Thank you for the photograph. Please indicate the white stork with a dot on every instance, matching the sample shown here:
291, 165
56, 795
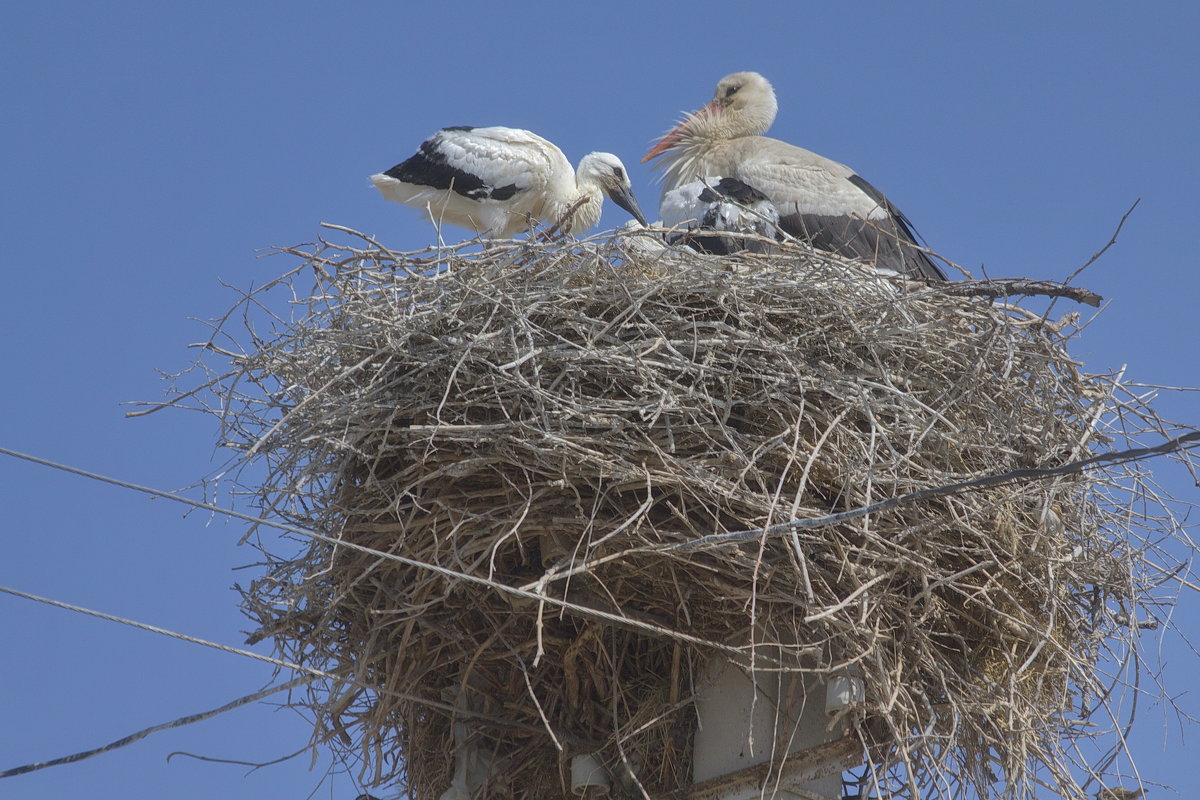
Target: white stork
710, 208
499, 181
820, 201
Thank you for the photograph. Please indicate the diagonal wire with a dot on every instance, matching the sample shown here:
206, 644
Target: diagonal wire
595, 613
142, 734
309, 674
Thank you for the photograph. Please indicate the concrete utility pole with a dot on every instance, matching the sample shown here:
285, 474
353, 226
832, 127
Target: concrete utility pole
767, 733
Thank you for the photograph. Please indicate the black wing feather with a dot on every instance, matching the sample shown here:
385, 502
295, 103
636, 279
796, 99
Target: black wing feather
429, 167
912, 260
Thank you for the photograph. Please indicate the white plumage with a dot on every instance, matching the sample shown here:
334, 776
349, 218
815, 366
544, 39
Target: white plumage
500, 181
818, 200
707, 210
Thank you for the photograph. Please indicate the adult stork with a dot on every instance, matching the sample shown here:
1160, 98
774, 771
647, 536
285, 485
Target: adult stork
499, 181
819, 200
712, 208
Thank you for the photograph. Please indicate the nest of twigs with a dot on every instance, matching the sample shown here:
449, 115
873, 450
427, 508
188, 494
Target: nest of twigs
554, 479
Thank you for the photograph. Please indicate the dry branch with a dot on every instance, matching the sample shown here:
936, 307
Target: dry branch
999, 287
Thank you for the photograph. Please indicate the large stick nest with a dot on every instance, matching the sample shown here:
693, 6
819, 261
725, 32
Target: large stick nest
518, 451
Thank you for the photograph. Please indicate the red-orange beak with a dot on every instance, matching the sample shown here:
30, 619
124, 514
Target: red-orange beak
664, 144
675, 134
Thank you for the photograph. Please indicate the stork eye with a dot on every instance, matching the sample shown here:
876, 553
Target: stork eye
620, 173
732, 90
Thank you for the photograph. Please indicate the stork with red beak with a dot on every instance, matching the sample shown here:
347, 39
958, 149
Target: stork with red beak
819, 201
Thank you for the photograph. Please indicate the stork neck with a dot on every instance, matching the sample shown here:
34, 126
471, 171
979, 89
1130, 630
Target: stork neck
722, 121
690, 159
590, 200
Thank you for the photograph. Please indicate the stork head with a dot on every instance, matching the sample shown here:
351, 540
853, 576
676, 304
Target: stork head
743, 105
606, 172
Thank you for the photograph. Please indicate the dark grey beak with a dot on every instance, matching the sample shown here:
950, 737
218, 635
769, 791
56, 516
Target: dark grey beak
623, 196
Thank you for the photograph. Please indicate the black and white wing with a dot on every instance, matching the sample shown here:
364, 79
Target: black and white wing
479, 163
829, 206
492, 179
710, 209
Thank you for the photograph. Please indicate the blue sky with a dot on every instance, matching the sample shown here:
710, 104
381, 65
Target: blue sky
149, 150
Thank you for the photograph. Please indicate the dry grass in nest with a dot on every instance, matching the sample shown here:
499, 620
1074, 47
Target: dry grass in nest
520, 452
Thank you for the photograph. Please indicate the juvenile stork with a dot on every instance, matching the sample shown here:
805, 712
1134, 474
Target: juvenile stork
499, 181
712, 208
820, 201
